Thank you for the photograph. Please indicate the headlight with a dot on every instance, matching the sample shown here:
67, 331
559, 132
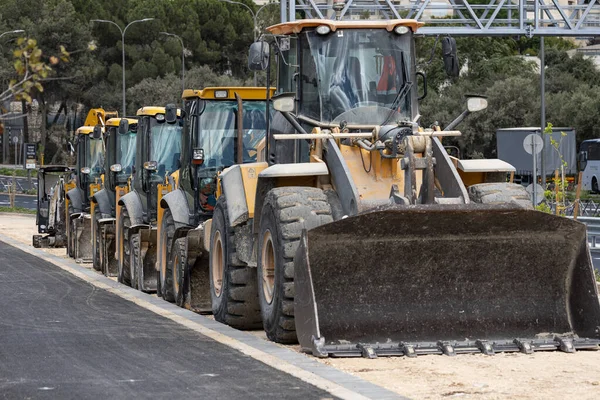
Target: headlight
401, 29
150, 165
85, 170
221, 94
116, 168
323, 29
198, 156
160, 117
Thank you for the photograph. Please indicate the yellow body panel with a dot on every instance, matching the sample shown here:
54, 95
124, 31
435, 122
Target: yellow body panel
250, 179
288, 28
152, 111
117, 121
246, 93
97, 116
84, 130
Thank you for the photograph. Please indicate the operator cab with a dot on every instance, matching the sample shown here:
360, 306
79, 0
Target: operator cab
90, 158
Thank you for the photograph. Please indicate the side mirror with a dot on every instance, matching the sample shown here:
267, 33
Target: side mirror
171, 113
284, 102
476, 103
422, 75
582, 160
258, 56
97, 133
123, 126
450, 56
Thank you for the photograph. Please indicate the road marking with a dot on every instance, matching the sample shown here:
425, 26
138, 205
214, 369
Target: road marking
195, 321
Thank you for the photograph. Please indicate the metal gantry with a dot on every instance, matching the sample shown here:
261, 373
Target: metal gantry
578, 18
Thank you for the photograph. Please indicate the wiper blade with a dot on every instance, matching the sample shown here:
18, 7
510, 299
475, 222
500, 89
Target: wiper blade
404, 90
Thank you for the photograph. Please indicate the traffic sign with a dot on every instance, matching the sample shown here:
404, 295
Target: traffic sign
533, 142
539, 192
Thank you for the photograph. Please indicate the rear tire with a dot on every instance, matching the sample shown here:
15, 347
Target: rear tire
70, 234
285, 214
595, 185
97, 242
124, 273
233, 285
500, 193
37, 241
165, 273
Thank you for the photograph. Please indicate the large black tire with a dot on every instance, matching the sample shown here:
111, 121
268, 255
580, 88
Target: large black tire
165, 273
70, 234
178, 261
595, 185
286, 212
233, 285
124, 273
135, 259
97, 242
500, 193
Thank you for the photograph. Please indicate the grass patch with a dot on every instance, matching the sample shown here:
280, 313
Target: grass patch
17, 172
21, 210
597, 274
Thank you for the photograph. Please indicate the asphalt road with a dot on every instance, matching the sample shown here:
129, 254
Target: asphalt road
25, 201
64, 338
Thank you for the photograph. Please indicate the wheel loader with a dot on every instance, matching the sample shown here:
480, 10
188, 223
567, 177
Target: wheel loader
368, 238
224, 126
50, 215
157, 153
120, 140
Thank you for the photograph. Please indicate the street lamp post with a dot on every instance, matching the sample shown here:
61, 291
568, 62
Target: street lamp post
123, 48
182, 58
254, 18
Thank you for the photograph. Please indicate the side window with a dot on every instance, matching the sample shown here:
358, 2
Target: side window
309, 84
285, 80
594, 151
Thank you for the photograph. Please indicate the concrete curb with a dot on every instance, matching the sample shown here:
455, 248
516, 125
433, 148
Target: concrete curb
336, 382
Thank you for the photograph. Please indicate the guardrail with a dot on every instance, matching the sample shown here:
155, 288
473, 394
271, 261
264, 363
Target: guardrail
593, 232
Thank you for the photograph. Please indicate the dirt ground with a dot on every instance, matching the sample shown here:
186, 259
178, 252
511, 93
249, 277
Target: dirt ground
503, 376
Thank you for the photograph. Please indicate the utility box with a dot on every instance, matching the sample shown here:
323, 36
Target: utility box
509, 144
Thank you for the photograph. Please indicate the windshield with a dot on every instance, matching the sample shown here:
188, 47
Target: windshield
126, 152
95, 159
165, 146
354, 75
217, 131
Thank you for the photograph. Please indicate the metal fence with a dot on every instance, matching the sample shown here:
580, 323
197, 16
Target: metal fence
587, 208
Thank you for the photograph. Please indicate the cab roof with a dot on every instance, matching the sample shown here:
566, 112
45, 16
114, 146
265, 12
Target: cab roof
117, 121
84, 130
297, 26
152, 111
246, 93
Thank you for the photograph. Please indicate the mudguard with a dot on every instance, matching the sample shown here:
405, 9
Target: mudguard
134, 207
103, 203
75, 197
177, 203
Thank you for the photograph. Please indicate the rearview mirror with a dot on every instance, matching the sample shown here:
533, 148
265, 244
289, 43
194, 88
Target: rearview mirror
97, 133
476, 103
450, 56
171, 113
284, 102
582, 160
258, 56
123, 126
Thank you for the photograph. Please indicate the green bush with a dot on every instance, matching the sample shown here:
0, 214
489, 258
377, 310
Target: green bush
20, 210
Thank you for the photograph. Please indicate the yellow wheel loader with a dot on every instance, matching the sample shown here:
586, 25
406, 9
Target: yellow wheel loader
157, 153
224, 126
118, 164
369, 239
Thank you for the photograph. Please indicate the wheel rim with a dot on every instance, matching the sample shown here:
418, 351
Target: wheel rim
217, 264
268, 266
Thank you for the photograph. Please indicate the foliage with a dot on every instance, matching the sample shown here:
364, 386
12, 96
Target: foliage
16, 172
20, 210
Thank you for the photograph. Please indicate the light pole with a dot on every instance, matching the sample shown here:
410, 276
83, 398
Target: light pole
182, 58
123, 47
254, 18
9, 32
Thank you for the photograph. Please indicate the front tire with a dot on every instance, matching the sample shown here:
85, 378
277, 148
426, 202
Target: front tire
233, 285
285, 214
135, 260
595, 185
124, 273
97, 242
165, 272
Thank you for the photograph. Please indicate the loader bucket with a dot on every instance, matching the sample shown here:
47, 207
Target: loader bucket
444, 280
